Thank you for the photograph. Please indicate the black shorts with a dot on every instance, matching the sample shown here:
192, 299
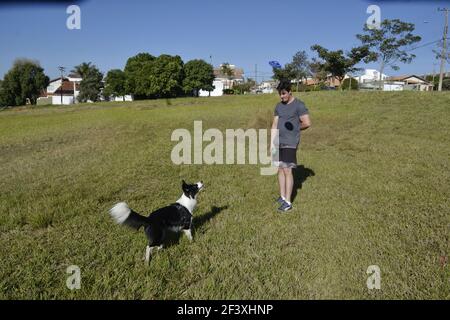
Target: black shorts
287, 158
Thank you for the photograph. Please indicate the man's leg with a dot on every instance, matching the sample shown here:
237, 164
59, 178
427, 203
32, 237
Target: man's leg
282, 182
289, 183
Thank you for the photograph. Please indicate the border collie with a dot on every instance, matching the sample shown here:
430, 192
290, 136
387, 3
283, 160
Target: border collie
175, 217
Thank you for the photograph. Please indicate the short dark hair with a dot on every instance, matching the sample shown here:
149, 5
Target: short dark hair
284, 84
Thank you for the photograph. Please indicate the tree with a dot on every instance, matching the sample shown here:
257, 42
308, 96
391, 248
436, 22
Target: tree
286, 73
227, 71
389, 43
133, 71
446, 84
115, 84
346, 84
25, 80
300, 66
198, 75
2, 96
82, 69
90, 86
163, 77
241, 88
317, 70
438, 52
338, 64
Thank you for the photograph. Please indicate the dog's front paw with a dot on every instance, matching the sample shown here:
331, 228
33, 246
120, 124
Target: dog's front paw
188, 234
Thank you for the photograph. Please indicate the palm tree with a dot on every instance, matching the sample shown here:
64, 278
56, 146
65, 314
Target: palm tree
82, 69
226, 70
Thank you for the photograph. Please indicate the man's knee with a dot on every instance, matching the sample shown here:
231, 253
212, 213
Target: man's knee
287, 171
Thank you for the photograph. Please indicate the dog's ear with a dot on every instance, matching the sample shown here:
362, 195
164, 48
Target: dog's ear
184, 184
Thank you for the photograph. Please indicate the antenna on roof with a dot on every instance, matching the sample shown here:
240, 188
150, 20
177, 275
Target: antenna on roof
62, 69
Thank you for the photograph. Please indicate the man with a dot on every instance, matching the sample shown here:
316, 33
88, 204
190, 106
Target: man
290, 117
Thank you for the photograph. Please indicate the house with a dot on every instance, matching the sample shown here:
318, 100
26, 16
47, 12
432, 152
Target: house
393, 86
267, 86
411, 82
237, 77
218, 90
222, 81
370, 75
61, 92
330, 81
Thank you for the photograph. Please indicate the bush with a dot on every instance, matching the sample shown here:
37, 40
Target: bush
228, 91
446, 84
346, 84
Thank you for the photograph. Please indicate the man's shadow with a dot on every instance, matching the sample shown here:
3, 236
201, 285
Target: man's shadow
301, 173
173, 238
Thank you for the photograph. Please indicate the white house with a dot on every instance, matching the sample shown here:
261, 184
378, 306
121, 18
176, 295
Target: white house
218, 90
267, 86
393, 86
63, 92
370, 75
412, 82
223, 81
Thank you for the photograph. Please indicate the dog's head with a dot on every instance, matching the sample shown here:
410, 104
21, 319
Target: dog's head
191, 190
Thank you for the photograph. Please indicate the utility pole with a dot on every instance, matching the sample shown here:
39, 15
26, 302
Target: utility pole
210, 60
62, 69
434, 73
256, 74
444, 49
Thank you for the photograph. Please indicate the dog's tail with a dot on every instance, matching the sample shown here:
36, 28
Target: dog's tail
122, 214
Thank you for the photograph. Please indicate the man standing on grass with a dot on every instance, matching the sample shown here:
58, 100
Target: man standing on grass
290, 117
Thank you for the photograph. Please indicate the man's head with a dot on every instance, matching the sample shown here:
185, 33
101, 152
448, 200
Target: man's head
284, 90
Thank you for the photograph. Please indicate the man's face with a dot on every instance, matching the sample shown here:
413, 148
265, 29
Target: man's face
284, 96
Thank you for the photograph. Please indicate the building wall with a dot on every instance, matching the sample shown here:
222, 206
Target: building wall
370, 75
120, 99
218, 90
53, 86
66, 100
393, 87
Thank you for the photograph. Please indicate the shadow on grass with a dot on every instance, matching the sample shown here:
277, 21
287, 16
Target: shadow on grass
301, 173
173, 238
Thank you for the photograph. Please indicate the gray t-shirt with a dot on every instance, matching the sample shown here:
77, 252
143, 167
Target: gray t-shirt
289, 122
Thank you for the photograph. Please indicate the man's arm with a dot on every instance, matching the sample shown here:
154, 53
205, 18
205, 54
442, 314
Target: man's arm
305, 122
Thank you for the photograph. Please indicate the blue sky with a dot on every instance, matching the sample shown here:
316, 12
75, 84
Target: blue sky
241, 32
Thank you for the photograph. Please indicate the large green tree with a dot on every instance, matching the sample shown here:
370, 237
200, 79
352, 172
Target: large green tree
133, 74
198, 75
2, 96
390, 43
162, 78
286, 73
25, 80
317, 70
91, 85
339, 64
300, 66
115, 84
82, 69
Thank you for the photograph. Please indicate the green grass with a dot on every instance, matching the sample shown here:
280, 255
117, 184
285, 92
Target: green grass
375, 191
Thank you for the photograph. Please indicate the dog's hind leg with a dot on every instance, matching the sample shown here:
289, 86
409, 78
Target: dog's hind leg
149, 252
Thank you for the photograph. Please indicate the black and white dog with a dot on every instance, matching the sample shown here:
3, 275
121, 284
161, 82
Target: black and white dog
175, 217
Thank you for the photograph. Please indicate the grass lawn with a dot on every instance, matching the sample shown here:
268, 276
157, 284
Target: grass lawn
373, 189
